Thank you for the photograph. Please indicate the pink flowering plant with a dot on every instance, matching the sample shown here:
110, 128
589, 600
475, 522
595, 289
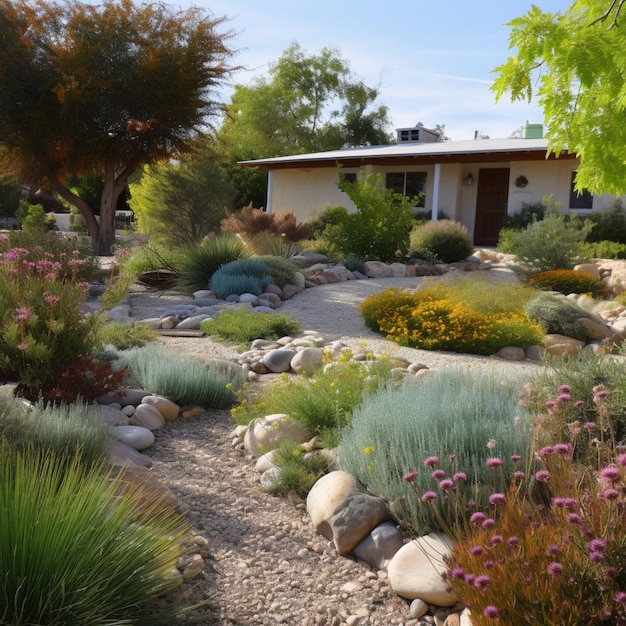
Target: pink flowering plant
43, 326
551, 549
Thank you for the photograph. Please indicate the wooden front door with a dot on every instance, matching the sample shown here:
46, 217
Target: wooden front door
491, 204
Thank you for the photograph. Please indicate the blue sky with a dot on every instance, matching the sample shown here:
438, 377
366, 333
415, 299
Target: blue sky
432, 60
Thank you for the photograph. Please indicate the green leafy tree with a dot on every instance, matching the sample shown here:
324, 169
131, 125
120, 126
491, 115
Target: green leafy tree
181, 203
308, 103
102, 89
573, 63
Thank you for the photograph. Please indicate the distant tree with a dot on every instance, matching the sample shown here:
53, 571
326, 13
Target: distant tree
181, 203
102, 89
573, 63
309, 103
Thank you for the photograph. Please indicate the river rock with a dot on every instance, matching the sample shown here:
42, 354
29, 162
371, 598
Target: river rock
415, 570
278, 361
380, 545
307, 361
266, 433
168, 409
136, 437
147, 416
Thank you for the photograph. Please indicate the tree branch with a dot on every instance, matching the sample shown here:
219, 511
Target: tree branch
605, 16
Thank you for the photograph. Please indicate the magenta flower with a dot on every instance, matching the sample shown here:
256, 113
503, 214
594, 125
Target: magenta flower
438, 474
513, 541
496, 539
459, 476
22, 346
482, 582
457, 573
555, 569
610, 474
550, 404
601, 393
494, 461
546, 451
620, 597
518, 475
563, 398
579, 403
409, 477
515, 458
497, 498
488, 523
446, 484
542, 476
596, 557
596, 545
469, 579
590, 425
562, 448
610, 494
477, 550
477, 518
564, 389
621, 459
574, 519
610, 571
553, 549
428, 496
431, 461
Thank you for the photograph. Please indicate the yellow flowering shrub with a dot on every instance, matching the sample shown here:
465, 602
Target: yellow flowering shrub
429, 320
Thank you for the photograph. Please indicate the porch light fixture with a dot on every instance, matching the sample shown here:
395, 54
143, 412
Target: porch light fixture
469, 181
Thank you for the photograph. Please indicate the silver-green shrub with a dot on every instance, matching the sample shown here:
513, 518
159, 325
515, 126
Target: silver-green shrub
461, 416
183, 380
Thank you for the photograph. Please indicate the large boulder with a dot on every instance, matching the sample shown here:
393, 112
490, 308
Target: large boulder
416, 568
266, 433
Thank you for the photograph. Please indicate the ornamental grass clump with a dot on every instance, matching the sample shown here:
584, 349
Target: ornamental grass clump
183, 380
241, 276
243, 326
74, 551
556, 561
458, 417
477, 318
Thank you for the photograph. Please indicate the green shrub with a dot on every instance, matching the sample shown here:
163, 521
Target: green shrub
555, 243
445, 240
449, 414
604, 250
241, 326
559, 315
332, 216
32, 217
124, 336
323, 402
146, 258
299, 470
183, 380
75, 552
379, 230
608, 225
241, 276
282, 270
506, 240
198, 262
566, 282
527, 215
354, 263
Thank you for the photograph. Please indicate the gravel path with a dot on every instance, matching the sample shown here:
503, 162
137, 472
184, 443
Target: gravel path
266, 564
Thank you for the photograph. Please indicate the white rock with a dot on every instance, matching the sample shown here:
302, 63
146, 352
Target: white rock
307, 360
266, 433
147, 416
415, 570
168, 409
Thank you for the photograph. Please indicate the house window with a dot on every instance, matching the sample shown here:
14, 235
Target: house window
582, 200
350, 177
410, 134
408, 184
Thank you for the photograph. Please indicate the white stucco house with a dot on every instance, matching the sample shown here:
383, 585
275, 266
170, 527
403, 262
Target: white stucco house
475, 182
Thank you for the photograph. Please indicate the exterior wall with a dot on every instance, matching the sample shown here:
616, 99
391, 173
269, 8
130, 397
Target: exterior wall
308, 192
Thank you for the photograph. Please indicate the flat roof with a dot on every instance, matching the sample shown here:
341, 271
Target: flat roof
445, 151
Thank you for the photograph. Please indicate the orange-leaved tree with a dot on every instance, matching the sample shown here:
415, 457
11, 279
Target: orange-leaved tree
102, 89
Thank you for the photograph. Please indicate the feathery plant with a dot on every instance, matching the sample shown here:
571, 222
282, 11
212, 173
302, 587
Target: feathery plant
450, 415
183, 380
74, 552
241, 276
66, 430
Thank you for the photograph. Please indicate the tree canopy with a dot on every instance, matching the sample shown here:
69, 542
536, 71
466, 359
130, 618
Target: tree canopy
573, 63
101, 90
310, 102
